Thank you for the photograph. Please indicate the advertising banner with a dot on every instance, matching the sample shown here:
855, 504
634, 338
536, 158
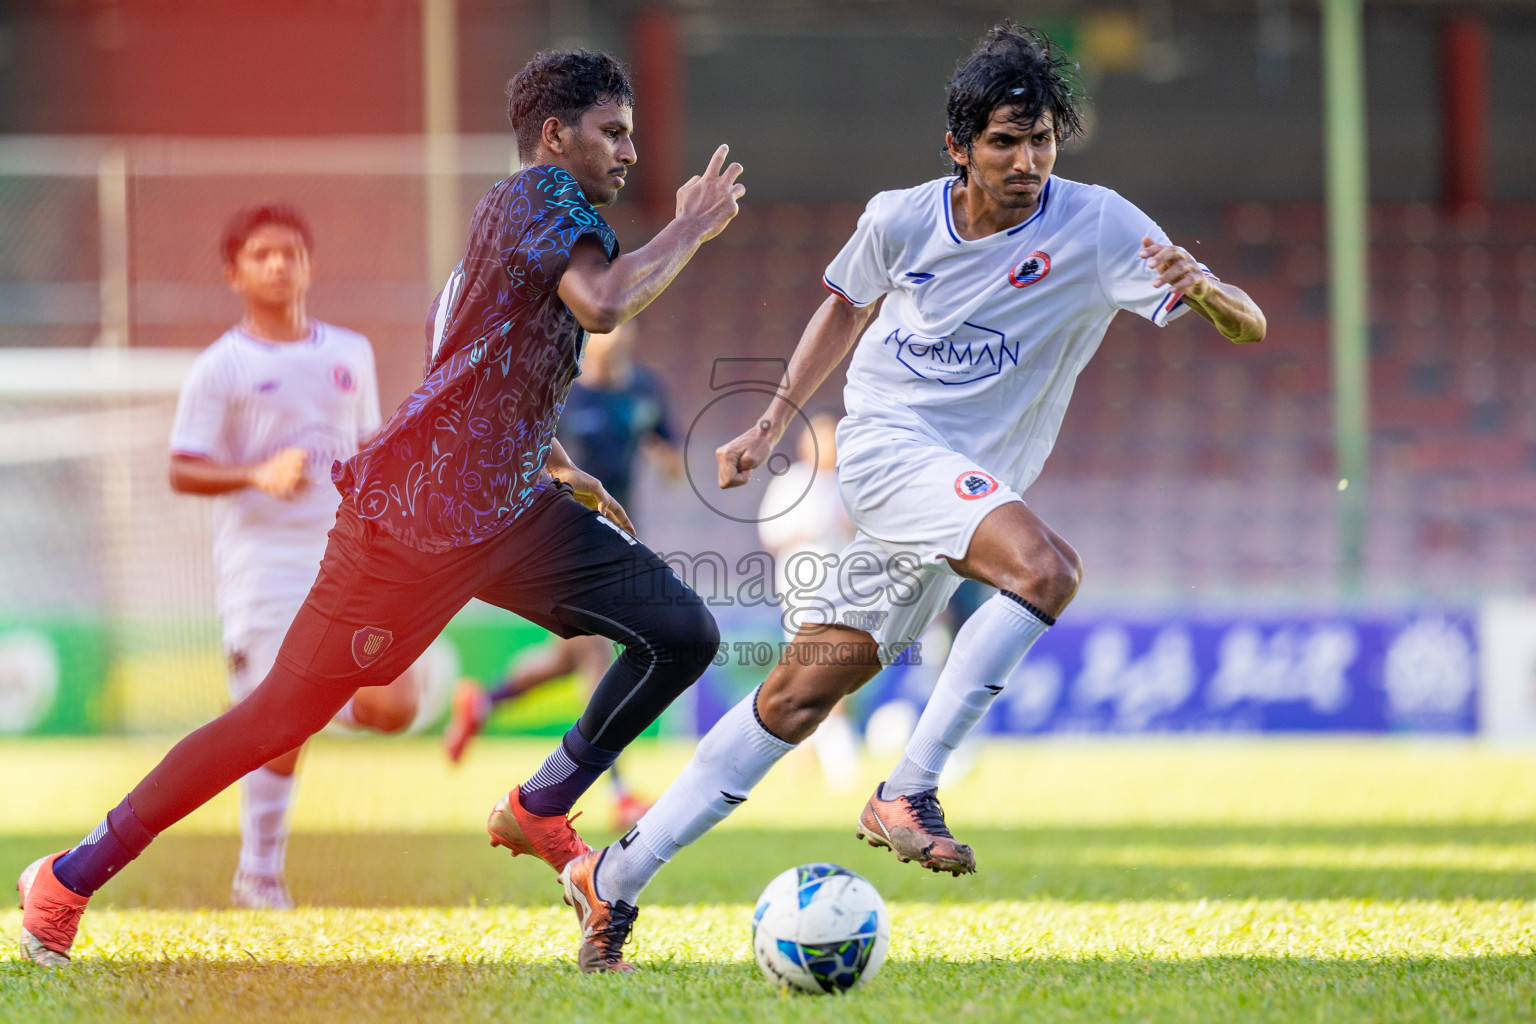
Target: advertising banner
1422, 671
1387, 672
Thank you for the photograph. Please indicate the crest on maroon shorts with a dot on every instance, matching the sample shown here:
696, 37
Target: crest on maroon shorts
368, 643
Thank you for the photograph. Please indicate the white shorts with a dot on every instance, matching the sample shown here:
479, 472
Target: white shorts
916, 505
250, 653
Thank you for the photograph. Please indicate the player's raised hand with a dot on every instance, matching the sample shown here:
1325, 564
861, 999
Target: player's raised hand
709, 199
281, 476
1175, 268
740, 457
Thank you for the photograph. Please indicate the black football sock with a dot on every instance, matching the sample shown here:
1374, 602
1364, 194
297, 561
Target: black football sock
566, 774
108, 848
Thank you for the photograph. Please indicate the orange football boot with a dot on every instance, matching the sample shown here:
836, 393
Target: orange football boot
913, 828
466, 717
551, 839
605, 926
50, 913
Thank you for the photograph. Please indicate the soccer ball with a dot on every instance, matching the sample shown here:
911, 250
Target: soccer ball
820, 928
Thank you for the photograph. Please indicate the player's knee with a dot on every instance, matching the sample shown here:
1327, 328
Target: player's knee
1058, 581
1068, 575
393, 723
689, 638
1048, 577
793, 706
385, 716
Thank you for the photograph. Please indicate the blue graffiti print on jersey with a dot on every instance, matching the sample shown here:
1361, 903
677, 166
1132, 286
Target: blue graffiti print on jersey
464, 455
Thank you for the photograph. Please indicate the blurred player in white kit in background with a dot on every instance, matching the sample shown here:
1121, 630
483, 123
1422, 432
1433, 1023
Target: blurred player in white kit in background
265, 411
816, 526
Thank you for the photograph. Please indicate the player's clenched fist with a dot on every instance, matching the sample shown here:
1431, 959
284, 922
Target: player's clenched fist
282, 475
740, 457
709, 199
1175, 268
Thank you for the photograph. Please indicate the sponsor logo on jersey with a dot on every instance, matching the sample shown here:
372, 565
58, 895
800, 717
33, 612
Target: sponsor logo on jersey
973, 484
342, 375
972, 353
918, 278
369, 643
1033, 267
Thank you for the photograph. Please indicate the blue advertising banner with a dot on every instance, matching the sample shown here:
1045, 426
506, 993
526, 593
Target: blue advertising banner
1394, 672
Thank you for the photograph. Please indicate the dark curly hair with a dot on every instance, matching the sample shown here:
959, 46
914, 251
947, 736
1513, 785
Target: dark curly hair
1014, 66
244, 224
563, 84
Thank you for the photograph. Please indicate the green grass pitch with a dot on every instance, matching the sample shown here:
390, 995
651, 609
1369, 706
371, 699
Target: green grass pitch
1137, 880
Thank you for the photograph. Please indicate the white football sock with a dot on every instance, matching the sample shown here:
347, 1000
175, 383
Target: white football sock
837, 752
986, 650
264, 799
731, 759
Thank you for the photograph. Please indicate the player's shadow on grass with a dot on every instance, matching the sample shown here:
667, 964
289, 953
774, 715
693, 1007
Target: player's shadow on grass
1283, 862
1017, 988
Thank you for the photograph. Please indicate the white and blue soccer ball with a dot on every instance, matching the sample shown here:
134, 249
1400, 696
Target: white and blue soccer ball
820, 928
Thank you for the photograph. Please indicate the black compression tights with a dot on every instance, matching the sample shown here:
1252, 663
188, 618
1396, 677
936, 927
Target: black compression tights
667, 646
283, 712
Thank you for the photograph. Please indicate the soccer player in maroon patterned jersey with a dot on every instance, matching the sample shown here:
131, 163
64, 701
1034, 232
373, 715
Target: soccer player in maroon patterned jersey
466, 493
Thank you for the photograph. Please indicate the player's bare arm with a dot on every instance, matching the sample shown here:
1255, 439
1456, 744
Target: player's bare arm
281, 476
833, 330
604, 295
1225, 307
585, 487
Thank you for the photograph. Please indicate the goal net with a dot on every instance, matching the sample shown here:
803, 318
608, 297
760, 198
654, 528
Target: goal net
106, 577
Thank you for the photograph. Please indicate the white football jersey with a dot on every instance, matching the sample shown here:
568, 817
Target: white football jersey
247, 399
979, 342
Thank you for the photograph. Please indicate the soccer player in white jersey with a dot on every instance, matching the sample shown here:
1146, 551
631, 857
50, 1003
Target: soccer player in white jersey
264, 413
998, 284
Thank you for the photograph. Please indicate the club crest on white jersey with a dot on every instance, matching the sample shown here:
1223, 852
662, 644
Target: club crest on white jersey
1034, 266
